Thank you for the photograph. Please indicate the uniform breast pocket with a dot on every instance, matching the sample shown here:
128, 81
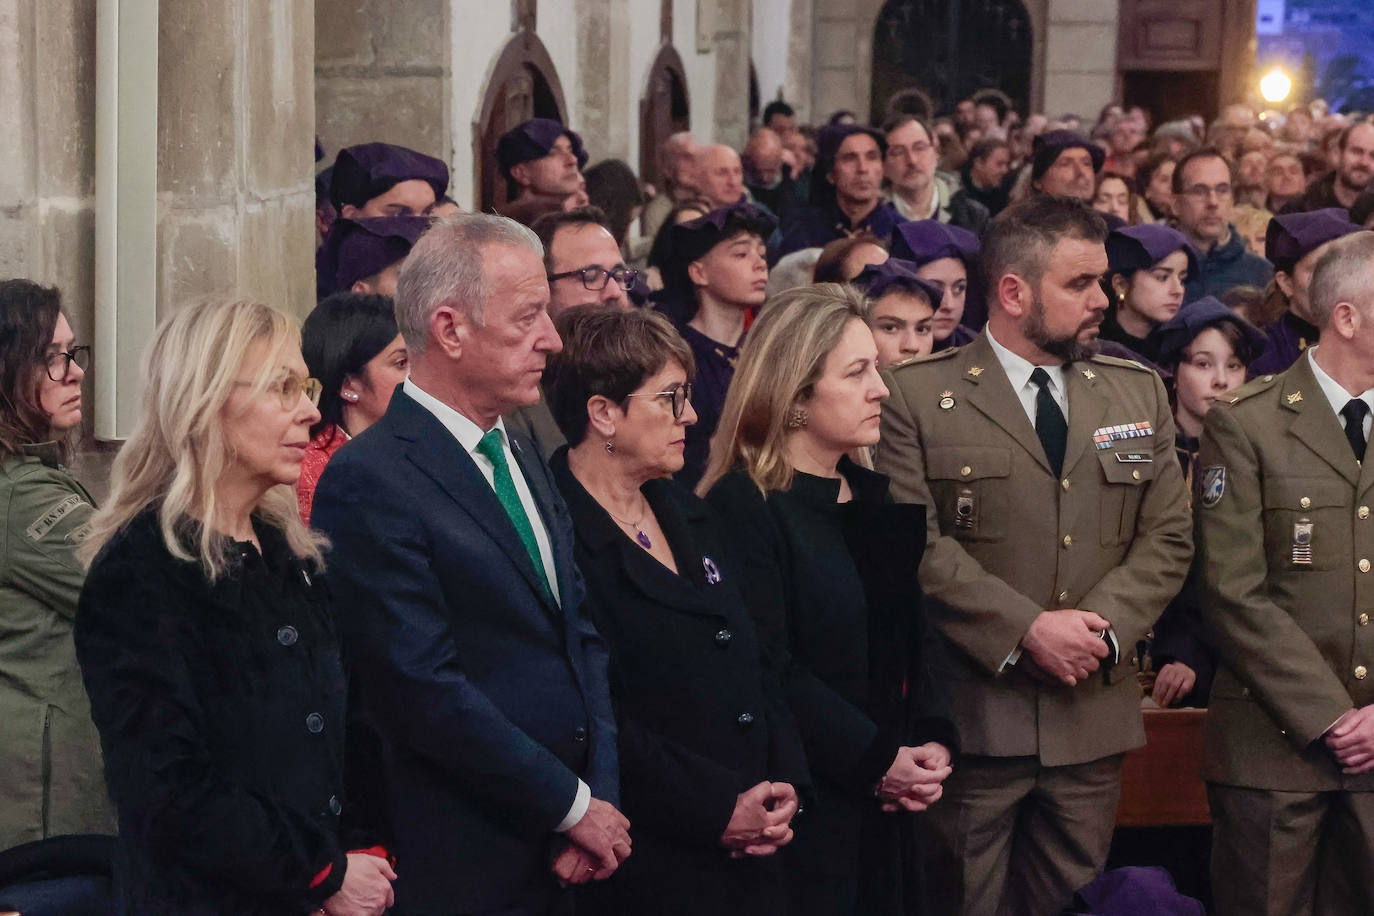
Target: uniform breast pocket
971, 489
1126, 475
1306, 523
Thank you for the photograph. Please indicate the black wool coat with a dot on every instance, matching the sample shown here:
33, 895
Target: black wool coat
833, 590
701, 713
221, 714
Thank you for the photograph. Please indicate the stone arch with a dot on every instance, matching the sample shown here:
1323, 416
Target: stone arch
664, 109
950, 49
521, 84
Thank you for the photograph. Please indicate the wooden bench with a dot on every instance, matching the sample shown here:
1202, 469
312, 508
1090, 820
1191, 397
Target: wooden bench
1160, 785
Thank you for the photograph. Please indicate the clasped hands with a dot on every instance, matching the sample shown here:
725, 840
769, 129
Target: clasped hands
596, 845
1351, 740
1066, 645
762, 821
915, 781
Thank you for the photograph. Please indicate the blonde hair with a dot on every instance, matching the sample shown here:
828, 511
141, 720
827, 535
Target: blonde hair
178, 452
780, 363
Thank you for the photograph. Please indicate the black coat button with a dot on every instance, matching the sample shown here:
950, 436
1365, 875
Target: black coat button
723, 638
287, 636
314, 723
335, 806
745, 719
579, 734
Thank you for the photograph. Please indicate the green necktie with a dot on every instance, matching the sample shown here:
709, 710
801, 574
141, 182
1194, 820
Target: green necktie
490, 446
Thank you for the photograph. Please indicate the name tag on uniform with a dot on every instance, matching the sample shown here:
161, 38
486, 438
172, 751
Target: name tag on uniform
1134, 457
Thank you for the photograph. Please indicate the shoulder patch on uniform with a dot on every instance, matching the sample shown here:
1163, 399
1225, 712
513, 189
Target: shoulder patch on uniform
1251, 388
1213, 486
1120, 363
919, 360
54, 514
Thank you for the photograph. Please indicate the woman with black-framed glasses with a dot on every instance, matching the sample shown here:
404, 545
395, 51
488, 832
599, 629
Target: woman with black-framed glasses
50, 774
709, 755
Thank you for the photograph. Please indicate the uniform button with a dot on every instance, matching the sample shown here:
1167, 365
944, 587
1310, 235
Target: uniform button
335, 806
1135, 662
1135, 475
723, 638
1068, 540
1304, 503
1364, 566
1064, 483
1363, 512
314, 723
1364, 620
579, 734
1064, 596
965, 471
1360, 672
287, 636
746, 719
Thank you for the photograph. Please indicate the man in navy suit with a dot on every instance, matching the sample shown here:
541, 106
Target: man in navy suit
459, 604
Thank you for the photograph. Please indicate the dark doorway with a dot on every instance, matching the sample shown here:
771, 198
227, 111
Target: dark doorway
663, 111
523, 86
1168, 96
950, 49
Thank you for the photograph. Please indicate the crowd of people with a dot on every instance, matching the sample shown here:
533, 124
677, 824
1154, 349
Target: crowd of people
800, 536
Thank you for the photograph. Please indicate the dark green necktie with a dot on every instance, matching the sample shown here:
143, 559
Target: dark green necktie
490, 446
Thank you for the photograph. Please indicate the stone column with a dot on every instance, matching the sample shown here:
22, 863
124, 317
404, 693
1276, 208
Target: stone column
732, 42
607, 96
236, 119
1080, 57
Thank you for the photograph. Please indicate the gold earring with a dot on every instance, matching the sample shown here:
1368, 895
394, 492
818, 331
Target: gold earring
797, 418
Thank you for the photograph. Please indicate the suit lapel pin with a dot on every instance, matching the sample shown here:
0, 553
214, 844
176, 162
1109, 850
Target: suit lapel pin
712, 571
1295, 397
1089, 374
946, 400
975, 371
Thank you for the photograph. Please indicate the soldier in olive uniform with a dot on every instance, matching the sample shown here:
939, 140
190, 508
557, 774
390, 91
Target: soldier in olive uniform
1285, 542
1059, 529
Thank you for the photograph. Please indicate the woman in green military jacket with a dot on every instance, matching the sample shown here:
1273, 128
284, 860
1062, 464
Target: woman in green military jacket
51, 776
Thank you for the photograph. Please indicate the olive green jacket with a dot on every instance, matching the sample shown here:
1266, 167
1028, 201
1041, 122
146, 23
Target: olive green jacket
51, 773
1286, 543
1009, 539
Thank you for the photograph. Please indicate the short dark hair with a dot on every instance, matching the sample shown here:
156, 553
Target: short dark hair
777, 107
1368, 120
613, 186
996, 99
902, 119
338, 338
986, 147
547, 226
28, 320
830, 265
1020, 238
1206, 152
607, 352
1242, 344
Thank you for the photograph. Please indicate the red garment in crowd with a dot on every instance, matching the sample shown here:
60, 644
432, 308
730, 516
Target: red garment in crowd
317, 455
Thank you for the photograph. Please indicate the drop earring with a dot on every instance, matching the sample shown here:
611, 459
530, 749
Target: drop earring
797, 418
610, 447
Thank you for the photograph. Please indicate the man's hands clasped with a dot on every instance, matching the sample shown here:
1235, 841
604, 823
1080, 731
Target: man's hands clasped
597, 845
915, 781
762, 820
1067, 645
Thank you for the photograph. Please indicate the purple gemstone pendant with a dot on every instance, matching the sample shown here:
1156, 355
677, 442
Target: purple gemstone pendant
643, 540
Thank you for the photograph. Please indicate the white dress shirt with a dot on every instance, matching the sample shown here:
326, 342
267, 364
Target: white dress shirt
469, 434
1337, 395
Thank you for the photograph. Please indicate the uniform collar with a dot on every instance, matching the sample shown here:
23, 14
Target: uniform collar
47, 452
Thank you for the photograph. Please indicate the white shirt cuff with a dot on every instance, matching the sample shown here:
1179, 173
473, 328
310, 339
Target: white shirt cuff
1012, 659
581, 802
1110, 636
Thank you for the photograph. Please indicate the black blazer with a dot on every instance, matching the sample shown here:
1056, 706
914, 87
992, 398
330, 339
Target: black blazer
490, 698
221, 714
701, 718
833, 588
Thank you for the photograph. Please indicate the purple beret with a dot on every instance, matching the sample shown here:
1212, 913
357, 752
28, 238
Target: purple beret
371, 169
925, 240
691, 240
533, 140
356, 249
1292, 236
1132, 248
895, 274
1047, 146
1194, 318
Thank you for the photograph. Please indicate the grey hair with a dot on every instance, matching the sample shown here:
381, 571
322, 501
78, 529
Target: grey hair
1344, 272
446, 268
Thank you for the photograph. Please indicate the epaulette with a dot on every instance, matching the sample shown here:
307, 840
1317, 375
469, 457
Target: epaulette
1120, 363
928, 358
1250, 388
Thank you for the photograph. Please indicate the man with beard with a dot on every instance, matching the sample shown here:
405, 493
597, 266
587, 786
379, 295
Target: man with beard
1204, 202
1065, 164
1354, 168
1058, 530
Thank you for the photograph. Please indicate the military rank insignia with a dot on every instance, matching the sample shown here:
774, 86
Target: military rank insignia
1106, 435
1213, 486
1302, 542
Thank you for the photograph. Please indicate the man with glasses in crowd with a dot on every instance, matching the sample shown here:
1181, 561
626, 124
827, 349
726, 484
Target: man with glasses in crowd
584, 267
916, 189
1204, 204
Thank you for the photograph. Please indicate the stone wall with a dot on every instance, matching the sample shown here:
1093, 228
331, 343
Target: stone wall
1080, 57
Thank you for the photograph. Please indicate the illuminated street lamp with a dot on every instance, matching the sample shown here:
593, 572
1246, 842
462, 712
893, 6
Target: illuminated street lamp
1275, 86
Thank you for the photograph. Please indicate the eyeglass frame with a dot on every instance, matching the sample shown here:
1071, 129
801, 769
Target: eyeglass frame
309, 386
70, 356
627, 278
677, 404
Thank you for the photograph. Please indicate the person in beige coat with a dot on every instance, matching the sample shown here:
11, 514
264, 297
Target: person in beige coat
1285, 541
1058, 530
